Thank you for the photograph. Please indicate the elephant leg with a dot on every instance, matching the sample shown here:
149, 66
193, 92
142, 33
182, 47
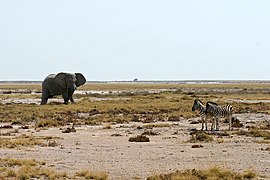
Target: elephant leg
71, 99
70, 95
44, 99
66, 98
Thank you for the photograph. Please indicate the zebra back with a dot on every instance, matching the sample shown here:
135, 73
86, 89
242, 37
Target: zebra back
219, 111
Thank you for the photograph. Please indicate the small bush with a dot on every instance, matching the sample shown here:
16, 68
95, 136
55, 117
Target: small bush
199, 136
139, 138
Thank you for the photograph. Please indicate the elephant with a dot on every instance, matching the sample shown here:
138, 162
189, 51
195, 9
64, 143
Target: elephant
61, 84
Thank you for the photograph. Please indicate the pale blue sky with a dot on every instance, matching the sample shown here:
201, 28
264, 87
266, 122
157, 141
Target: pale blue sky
127, 39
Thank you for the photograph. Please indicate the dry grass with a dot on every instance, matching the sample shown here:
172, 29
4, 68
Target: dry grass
92, 175
24, 141
159, 125
32, 169
215, 173
26, 169
165, 106
254, 133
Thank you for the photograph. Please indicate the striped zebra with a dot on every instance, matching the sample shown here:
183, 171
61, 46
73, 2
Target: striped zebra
198, 105
216, 111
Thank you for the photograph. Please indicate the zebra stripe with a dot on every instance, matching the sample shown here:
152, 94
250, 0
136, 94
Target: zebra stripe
218, 112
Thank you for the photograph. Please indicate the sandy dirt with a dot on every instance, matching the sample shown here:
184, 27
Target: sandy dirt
97, 148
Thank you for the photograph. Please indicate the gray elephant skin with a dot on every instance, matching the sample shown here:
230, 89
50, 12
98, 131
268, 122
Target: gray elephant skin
61, 84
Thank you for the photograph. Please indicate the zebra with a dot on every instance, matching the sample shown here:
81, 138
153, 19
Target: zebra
217, 112
198, 105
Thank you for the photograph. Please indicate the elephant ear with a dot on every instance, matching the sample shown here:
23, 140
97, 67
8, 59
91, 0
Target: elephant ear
60, 79
80, 79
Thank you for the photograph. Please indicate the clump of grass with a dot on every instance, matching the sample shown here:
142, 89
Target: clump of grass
92, 175
200, 136
20, 141
211, 173
139, 138
47, 123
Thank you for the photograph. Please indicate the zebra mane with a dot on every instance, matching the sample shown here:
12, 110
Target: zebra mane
210, 102
199, 101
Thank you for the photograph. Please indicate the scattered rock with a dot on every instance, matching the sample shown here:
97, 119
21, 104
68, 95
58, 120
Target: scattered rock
197, 146
116, 135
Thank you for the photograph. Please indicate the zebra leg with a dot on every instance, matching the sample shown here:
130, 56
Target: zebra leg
205, 121
217, 124
213, 124
230, 123
202, 123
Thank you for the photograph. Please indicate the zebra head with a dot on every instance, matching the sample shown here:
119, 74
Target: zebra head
197, 104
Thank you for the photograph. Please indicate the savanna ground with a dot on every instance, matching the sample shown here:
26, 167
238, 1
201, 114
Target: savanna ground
100, 136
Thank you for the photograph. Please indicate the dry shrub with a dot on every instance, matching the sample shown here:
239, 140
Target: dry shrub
215, 173
236, 123
139, 138
47, 123
200, 136
52, 143
69, 130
